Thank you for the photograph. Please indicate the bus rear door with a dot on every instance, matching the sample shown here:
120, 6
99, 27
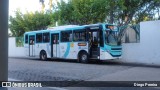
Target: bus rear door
55, 45
31, 45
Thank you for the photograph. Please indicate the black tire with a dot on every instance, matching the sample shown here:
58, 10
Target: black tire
43, 55
83, 57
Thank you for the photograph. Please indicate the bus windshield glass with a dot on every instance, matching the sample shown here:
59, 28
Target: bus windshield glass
110, 38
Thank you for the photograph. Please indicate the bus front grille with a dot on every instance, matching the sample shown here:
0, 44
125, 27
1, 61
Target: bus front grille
116, 48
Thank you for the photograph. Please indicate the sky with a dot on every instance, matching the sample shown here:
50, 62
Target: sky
26, 5
23, 5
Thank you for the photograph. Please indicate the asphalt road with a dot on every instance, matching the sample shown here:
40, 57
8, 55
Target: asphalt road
36, 70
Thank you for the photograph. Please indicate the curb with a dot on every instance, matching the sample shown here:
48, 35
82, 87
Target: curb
23, 57
134, 64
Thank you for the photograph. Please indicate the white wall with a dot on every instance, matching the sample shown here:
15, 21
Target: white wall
14, 51
148, 50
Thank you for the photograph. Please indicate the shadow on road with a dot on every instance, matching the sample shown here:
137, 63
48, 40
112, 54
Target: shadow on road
108, 63
95, 62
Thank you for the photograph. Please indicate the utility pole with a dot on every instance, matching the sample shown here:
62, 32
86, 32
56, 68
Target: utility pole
4, 40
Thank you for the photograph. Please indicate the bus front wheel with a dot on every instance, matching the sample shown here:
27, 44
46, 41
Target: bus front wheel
83, 57
43, 55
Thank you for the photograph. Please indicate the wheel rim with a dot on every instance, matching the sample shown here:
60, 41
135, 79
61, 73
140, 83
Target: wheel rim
84, 57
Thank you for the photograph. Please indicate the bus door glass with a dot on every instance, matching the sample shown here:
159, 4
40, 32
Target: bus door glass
55, 45
94, 43
31, 45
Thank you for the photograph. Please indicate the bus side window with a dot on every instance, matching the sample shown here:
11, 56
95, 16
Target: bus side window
26, 38
70, 37
31, 41
66, 36
46, 37
79, 35
39, 38
75, 37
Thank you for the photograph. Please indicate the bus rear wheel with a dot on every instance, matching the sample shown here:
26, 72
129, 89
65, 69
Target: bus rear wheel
43, 55
83, 57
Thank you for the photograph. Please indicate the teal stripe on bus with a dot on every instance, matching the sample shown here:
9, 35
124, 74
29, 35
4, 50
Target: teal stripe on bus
67, 51
48, 49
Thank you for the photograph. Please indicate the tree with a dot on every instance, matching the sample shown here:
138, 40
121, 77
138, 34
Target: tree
125, 11
112, 11
28, 22
120, 12
81, 12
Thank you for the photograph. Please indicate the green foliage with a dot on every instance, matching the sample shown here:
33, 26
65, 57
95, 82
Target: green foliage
82, 12
28, 22
19, 41
141, 10
110, 11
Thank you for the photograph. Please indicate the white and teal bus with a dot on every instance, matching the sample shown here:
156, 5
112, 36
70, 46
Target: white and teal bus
81, 43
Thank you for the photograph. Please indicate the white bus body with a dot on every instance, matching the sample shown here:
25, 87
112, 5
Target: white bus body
72, 42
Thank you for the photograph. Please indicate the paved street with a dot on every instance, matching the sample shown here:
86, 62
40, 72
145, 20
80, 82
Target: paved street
36, 70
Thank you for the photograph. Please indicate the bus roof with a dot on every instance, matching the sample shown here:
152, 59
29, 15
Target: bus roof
62, 27
58, 28
67, 27
36, 31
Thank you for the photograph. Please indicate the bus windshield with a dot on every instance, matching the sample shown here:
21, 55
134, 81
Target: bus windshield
110, 38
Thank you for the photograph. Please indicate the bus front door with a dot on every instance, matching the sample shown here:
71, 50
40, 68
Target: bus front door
32, 45
94, 48
55, 45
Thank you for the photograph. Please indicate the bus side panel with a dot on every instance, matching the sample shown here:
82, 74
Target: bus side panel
48, 50
77, 47
64, 49
70, 50
42, 46
26, 49
73, 51
37, 49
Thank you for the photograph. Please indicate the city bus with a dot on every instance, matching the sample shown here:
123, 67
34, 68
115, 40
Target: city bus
81, 43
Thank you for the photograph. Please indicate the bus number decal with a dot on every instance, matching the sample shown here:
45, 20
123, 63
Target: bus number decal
82, 44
